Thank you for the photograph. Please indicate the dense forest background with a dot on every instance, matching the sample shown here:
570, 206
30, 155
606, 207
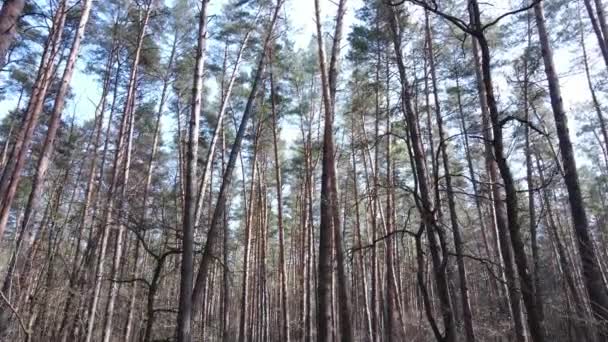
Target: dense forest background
399, 170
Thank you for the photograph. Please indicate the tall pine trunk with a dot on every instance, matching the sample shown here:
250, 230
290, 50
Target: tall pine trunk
519, 254
592, 275
283, 293
48, 145
423, 199
185, 308
458, 240
119, 175
9, 15
330, 241
218, 212
11, 175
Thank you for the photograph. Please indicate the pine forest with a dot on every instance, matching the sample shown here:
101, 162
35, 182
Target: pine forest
304, 170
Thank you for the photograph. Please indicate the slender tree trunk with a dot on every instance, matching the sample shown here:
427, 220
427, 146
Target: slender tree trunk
152, 291
330, 221
148, 181
226, 331
458, 243
597, 29
429, 220
48, 145
7, 142
376, 291
375, 311
538, 291
185, 314
121, 161
283, 294
90, 193
218, 213
307, 224
245, 293
592, 274
9, 135
216, 132
594, 98
495, 290
9, 15
346, 332
80, 266
123, 209
599, 7
394, 320
533, 318
360, 261
180, 156
12, 173
499, 216
567, 270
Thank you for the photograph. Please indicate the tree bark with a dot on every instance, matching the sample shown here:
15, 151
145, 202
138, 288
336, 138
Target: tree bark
458, 241
498, 209
594, 98
184, 316
283, 293
602, 41
423, 201
120, 169
212, 236
247, 274
360, 261
48, 145
123, 208
9, 15
330, 219
148, 180
533, 318
568, 272
216, 132
592, 275
12, 172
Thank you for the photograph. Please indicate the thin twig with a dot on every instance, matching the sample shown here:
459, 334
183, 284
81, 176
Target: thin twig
25, 330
